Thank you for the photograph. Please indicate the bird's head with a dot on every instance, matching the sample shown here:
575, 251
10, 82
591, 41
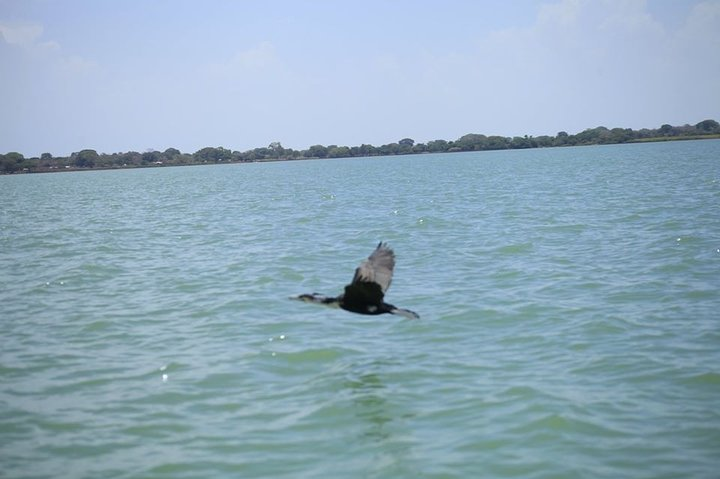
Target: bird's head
307, 298
316, 298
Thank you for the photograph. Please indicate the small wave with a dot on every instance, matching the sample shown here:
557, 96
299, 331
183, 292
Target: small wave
707, 379
312, 355
514, 249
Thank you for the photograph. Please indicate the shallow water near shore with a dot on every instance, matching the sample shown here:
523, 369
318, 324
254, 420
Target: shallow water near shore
568, 299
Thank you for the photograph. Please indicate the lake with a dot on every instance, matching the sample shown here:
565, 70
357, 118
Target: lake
568, 297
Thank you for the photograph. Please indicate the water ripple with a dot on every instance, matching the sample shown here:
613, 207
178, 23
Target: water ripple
568, 301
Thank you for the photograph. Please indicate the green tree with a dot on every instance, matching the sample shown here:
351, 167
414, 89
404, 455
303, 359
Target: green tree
497, 143
46, 161
338, 152
561, 139
472, 142
151, 157
389, 149
620, 135
367, 150
544, 141
520, 142
248, 156
262, 153
316, 151
276, 149
85, 158
11, 162
592, 136
419, 148
212, 155
437, 146
708, 126
130, 158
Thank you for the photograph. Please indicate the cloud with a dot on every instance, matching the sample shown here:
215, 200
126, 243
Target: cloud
569, 65
255, 60
47, 54
579, 64
27, 36
702, 29
584, 63
45, 91
23, 35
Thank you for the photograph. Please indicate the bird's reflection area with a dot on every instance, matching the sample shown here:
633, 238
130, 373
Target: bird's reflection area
368, 396
384, 418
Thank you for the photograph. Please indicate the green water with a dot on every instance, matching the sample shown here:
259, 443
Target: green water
569, 302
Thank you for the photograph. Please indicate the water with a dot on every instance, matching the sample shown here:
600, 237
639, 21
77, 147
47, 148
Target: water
569, 302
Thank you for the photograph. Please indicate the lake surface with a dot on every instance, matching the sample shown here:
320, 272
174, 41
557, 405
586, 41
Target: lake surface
569, 303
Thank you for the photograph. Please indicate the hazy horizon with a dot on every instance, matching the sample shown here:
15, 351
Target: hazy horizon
137, 76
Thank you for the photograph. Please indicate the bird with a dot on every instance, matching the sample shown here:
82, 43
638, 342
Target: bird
366, 291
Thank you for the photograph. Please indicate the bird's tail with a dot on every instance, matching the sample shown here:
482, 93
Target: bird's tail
405, 313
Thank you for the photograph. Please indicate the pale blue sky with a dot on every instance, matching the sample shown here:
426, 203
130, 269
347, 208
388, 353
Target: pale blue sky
139, 75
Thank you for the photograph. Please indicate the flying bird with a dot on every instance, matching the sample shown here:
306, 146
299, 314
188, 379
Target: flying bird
366, 291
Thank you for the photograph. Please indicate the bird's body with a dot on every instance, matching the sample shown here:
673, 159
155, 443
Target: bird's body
366, 292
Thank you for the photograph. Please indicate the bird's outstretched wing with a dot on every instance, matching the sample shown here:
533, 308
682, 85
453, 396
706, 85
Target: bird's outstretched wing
378, 268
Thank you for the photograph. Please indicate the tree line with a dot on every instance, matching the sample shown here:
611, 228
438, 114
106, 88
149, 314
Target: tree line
14, 162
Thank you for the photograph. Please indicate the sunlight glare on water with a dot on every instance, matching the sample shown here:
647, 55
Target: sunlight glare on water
568, 302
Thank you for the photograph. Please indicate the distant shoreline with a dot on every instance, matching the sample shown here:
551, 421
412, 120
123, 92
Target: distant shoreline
90, 160
679, 138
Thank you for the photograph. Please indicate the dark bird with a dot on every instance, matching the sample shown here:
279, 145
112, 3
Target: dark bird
367, 289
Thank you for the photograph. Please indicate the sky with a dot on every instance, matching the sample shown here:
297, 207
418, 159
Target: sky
140, 75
